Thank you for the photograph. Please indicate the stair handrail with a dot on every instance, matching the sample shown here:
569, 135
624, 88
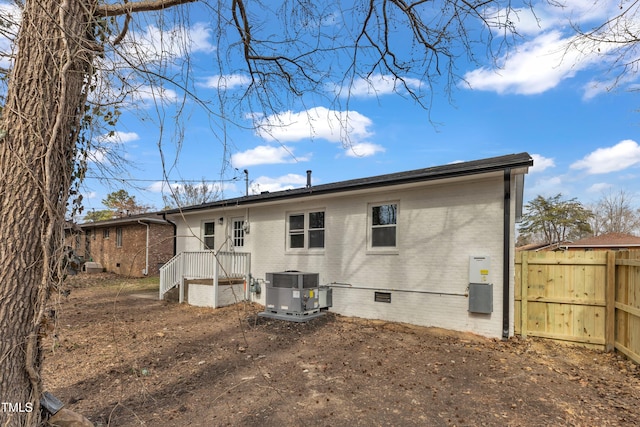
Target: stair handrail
170, 274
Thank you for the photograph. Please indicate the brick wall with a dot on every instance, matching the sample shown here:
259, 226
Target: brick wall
127, 255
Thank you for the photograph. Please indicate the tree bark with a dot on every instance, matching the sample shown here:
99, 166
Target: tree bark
39, 129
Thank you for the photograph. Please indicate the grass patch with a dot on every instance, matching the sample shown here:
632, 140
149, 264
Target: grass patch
113, 281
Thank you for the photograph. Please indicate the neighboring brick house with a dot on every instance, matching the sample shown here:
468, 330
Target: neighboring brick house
609, 241
135, 245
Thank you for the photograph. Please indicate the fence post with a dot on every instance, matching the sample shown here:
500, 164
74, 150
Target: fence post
524, 293
610, 303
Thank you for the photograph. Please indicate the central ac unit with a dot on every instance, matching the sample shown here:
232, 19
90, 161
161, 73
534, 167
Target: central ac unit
292, 295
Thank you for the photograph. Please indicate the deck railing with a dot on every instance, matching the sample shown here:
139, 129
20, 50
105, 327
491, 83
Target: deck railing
203, 265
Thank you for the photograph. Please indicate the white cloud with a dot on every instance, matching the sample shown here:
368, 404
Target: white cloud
11, 18
119, 137
148, 94
158, 187
110, 143
599, 187
151, 49
552, 53
199, 38
285, 182
230, 81
537, 66
319, 122
349, 128
596, 87
541, 163
155, 44
265, 155
543, 15
523, 20
379, 84
546, 186
364, 149
610, 159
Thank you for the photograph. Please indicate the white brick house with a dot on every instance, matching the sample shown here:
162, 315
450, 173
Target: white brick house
407, 236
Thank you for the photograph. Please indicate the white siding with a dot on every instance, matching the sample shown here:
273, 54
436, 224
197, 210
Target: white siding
439, 227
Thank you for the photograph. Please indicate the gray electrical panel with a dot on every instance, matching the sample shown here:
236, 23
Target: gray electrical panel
480, 286
481, 298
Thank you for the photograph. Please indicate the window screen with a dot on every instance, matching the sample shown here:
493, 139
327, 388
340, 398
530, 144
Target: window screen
383, 225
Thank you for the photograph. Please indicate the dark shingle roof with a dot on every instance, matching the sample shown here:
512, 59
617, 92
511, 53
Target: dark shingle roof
521, 160
151, 217
609, 240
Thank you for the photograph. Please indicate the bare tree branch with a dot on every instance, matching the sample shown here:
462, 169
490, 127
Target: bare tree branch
139, 6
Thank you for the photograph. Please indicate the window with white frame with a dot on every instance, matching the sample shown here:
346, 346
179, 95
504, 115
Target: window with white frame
383, 219
238, 232
316, 230
208, 234
305, 230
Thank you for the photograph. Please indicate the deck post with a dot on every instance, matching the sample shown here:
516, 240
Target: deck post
247, 277
215, 279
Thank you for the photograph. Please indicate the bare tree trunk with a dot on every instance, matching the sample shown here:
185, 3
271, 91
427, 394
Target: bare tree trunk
39, 130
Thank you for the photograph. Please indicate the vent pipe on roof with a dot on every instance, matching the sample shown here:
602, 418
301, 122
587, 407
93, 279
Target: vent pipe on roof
309, 179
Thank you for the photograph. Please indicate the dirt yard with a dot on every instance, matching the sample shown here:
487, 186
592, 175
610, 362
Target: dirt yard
122, 358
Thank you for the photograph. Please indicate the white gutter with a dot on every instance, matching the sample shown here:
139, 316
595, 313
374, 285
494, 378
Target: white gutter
146, 250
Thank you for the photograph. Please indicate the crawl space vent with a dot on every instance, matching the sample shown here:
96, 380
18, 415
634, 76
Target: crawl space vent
382, 297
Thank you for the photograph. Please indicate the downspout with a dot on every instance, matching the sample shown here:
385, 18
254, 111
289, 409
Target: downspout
175, 233
506, 254
146, 249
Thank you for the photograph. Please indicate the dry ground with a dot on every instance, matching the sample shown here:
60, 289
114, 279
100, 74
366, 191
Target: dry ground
122, 358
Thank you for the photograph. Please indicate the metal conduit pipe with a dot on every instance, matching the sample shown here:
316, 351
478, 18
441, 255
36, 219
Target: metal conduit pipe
146, 250
415, 291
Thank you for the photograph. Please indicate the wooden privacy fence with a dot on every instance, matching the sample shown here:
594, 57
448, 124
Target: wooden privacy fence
587, 297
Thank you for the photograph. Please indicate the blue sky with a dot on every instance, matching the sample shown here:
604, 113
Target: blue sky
556, 103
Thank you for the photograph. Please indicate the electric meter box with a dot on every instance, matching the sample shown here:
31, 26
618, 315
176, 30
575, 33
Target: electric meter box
479, 267
480, 287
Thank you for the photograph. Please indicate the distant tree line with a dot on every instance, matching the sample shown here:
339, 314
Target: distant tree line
557, 219
120, 203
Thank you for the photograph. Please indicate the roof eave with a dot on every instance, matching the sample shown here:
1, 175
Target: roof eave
120, 221
517, 163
